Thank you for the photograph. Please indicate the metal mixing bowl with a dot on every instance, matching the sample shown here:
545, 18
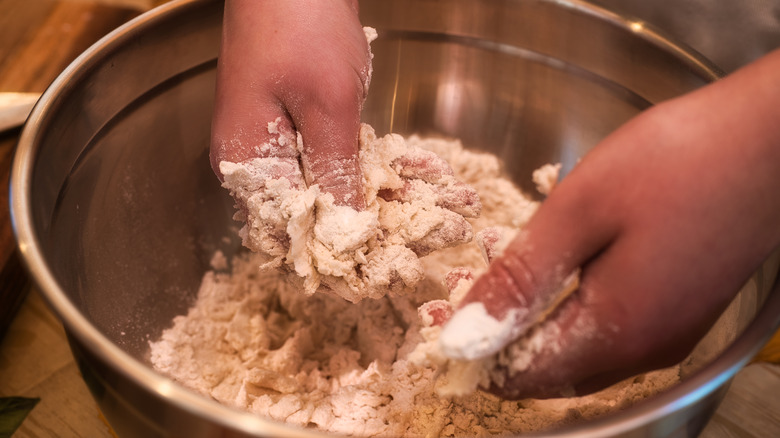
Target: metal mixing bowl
117, 212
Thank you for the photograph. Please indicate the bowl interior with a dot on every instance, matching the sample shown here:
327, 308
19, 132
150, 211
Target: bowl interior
128, 213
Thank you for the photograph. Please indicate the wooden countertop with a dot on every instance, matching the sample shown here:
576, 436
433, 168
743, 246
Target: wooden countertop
38, 38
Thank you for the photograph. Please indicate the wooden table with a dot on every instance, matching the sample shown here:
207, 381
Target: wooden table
38, 38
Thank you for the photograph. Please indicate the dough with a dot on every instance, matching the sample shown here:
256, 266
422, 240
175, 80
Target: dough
415, 206
253, 341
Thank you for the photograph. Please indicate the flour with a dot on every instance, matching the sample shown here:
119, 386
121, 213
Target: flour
414, 206
546, 177
252, 340
477, 334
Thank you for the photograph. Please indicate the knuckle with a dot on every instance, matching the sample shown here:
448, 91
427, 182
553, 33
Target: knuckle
520, 279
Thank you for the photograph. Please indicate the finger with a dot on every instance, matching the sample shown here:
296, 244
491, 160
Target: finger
522, 284
249, 120
249, 177
242, 131
248, 126
330, 150
326, 111
628, 316
594, 339
562, 350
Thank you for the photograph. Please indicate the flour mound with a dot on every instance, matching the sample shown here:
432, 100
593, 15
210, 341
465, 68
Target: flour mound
253, 341
415, 206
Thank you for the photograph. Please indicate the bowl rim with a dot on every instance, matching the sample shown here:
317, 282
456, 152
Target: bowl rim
701, 384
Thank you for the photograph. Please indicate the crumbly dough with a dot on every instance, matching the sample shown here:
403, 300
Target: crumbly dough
546, 177
253, 341
415, 206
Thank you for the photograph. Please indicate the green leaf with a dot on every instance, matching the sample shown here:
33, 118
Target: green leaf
13, 411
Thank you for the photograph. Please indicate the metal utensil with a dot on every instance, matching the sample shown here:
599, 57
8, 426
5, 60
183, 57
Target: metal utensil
14, 109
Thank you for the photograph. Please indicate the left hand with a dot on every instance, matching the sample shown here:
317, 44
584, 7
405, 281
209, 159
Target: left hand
306, 62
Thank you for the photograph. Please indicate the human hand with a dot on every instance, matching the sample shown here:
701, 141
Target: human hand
667, 218
307, 63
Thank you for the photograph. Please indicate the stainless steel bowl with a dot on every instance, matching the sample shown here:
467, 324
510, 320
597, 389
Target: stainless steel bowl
117, 212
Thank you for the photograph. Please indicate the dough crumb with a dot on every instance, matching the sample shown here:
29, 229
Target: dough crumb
415, 206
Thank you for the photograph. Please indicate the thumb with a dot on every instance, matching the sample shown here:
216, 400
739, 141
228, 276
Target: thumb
535, 272
263, 124
293, 66
246, 127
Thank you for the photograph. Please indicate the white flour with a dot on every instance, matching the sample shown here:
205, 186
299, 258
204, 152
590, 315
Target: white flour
414, 206
254, 341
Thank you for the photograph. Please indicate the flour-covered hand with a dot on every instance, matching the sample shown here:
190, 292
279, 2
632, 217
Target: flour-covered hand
307, 64
665, 219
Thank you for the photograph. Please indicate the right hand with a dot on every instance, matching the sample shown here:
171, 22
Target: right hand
308, 62
667, 218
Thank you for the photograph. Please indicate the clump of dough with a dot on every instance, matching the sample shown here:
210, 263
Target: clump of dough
415, 206
462, 354
373, 369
